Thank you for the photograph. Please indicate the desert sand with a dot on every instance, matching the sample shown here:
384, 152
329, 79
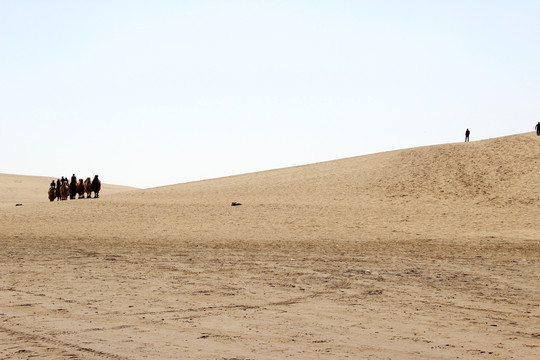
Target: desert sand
424, 253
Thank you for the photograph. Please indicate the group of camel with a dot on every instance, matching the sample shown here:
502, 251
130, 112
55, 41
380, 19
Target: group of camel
61, 189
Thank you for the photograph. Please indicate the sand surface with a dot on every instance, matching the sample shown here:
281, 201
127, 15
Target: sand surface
425, 253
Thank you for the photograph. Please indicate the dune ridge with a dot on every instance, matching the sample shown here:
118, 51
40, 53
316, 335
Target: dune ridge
431, 252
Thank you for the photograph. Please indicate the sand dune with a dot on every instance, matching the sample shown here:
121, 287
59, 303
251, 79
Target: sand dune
429, 252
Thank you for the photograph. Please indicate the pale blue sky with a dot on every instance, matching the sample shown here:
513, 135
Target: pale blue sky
150, 93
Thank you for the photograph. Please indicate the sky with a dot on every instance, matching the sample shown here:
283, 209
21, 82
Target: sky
155, 93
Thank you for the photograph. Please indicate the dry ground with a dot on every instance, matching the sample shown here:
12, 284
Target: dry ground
427, 253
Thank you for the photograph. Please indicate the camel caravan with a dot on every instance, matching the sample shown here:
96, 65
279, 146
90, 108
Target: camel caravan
62, 188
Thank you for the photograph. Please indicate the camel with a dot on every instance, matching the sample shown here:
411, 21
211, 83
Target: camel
64, 191
96, 186
80, 189
73, 189
88, 187
58, 190
52, 193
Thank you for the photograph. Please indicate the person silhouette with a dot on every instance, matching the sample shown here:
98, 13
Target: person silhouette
467, 133
537, 127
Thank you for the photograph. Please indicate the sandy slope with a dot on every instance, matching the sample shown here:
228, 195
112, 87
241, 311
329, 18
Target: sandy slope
422, 253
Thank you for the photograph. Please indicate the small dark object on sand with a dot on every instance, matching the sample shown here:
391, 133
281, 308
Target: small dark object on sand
235, 204
18, 204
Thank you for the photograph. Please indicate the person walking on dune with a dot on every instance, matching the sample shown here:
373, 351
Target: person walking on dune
537, 127
467, 133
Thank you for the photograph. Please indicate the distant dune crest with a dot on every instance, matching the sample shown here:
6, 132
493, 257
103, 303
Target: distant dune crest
498, 170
